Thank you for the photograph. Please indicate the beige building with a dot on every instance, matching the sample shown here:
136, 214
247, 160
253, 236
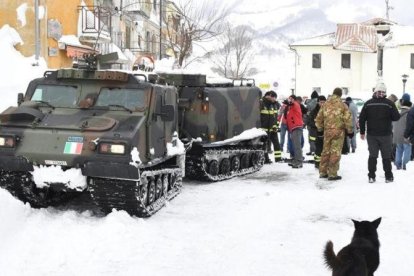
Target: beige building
52, 25
130, 27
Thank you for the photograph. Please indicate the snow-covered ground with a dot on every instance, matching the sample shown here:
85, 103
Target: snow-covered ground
273, 222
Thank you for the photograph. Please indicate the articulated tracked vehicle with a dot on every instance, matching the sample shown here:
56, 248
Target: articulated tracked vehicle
126, 140
217, 117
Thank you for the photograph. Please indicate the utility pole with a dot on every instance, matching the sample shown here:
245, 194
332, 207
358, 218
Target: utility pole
37, 33
388, 8
160, 28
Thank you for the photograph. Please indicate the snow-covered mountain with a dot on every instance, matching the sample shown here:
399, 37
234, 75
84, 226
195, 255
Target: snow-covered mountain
276, 25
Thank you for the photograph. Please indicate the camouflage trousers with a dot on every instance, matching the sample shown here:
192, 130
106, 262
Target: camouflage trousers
333, 141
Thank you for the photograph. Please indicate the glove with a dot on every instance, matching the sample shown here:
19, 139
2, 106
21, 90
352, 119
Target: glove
350, 135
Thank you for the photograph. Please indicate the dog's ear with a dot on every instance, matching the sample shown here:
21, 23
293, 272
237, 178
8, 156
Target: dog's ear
376, 222
356, 223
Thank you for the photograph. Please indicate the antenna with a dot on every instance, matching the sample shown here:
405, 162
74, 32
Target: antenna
388, 8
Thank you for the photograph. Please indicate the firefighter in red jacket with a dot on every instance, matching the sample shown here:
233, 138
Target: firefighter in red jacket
294, 122
269, 123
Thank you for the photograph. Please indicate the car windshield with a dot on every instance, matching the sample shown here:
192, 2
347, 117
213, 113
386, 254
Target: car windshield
56, 95
133, 99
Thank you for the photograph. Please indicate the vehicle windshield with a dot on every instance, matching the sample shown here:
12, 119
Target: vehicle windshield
56, 95
133, 99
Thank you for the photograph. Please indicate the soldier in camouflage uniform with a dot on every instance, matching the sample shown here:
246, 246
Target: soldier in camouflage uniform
333, 119
269, 123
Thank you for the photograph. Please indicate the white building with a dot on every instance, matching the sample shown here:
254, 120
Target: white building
354, 58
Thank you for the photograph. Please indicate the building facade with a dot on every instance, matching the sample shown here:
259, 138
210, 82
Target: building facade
136, 29
355, 57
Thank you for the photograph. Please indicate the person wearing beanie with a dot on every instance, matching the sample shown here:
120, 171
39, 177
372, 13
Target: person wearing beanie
319, 135
312, 103
403, 147
405, 98
269, 123
334, 119
295, 127
375, 120
351, 142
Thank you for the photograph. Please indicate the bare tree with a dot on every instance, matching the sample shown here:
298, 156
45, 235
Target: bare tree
234, 55
200, 21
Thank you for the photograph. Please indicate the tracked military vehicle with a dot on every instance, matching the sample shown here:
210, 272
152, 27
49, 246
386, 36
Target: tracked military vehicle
217, 117
126, 139
115, 132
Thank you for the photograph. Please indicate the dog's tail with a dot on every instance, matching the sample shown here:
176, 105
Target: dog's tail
331, 260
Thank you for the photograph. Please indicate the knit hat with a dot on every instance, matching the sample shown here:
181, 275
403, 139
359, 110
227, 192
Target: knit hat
348, 99
380, 87
321, 98
314, 95
406, 97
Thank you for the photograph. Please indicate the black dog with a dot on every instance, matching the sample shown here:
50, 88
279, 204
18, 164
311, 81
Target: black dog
361, 256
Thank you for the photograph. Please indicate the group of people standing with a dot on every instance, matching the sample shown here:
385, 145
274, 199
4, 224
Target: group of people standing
332, 125
291, 122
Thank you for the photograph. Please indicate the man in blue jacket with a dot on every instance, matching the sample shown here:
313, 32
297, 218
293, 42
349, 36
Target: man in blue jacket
376, 117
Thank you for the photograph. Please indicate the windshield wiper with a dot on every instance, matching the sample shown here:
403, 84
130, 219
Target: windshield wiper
121, 106
46, 103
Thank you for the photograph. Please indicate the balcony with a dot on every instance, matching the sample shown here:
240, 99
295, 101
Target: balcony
94, 24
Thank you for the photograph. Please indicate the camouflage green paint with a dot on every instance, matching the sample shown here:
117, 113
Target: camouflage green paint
43, 131
231, 110
334, 119
331, 153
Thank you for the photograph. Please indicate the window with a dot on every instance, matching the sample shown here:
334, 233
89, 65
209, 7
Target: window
317, 89
56, 95
130, 98
346, 61
147, 42
316, 60
412, 61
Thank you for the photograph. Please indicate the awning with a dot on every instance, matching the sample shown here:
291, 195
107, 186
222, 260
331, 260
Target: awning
78, 51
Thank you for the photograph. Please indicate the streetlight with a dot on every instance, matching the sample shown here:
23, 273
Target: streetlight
404, 80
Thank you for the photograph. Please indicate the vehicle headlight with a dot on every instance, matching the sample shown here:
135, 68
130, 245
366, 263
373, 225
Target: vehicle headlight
7, 142
111, 148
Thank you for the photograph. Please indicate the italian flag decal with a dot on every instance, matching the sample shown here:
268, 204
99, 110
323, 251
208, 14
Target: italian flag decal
73, 148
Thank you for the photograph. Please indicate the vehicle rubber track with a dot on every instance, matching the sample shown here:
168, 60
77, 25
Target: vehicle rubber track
197, 165
138, 198
22, 186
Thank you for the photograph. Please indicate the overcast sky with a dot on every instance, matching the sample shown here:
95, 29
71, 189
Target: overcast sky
337, 11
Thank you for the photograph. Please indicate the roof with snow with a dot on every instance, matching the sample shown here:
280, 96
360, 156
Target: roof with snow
356, 37
398, 36
322, 40
363, 37
379, 21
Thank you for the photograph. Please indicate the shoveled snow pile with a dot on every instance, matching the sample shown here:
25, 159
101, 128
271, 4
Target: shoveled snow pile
16, 70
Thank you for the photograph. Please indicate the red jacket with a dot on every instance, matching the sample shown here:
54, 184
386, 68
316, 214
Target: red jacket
294, 116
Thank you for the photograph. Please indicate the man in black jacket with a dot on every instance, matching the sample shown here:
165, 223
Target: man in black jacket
378, 114
268, 118
318, 135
